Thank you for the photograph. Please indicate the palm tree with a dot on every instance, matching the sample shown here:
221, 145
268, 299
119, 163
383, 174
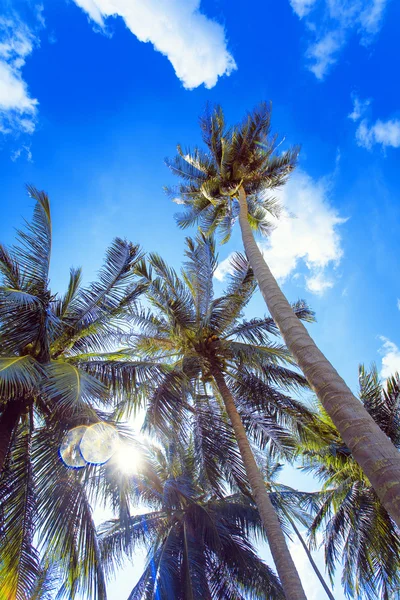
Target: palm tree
231, 181
198, 543
44, 393
357, 530
204, 359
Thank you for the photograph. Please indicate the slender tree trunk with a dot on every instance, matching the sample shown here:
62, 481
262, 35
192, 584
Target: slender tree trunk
370, 446
310, 557
8, 421
277, 543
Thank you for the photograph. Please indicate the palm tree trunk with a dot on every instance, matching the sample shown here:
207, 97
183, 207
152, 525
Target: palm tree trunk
8, 421
310, 557
283, 561
371, 448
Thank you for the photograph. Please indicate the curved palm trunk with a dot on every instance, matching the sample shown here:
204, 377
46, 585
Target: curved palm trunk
284, 563
371, 448
8, 421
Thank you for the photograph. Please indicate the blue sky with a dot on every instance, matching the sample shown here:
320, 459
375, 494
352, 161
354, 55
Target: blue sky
95, 93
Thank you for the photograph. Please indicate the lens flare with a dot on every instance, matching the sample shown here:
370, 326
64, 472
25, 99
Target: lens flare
69, 450
99, 443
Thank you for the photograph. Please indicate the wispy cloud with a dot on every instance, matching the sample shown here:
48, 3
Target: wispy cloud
359, 108
17, 108
302, 7
385, 133
195, 45
390, 358
25, 150
306, 234
331, 22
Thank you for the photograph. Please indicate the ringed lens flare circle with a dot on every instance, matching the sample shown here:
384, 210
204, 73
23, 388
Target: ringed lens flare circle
70, 451
99, 443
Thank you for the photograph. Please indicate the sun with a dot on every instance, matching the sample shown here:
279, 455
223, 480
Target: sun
127, 459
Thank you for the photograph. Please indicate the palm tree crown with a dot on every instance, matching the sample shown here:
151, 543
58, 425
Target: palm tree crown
357, 530
198, 544
187, 332
243, 156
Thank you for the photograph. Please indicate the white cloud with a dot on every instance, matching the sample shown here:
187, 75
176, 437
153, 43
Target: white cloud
330, 24
386, 133
359, 108
398, 303
305, 234
318, 283
302, 7
194, 44
17, 107
324, 53
390, 358
371, 18
23, 150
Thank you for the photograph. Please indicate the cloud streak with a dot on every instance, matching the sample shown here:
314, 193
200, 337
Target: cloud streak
194, 44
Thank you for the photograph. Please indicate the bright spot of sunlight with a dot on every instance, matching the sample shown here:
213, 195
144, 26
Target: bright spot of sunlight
127, 458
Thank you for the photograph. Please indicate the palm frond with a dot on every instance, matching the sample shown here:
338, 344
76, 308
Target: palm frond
34, 248
19, 565
70, 390
47, 583
19, 376
199, 271
75, 277
9, 269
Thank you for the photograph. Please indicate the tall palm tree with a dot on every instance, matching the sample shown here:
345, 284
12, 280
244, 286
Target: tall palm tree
231, 180
197, 347
44, 393
357, 530
198, 543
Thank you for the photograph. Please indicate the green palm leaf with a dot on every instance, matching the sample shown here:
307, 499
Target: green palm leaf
19, 375
19, 565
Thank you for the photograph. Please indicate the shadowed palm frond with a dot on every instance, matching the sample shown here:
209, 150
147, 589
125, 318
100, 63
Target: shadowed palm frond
47, 583
65, 528
357, 530
34, 248
19, 565
19, 375
198, 273
191, 536
70, 390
